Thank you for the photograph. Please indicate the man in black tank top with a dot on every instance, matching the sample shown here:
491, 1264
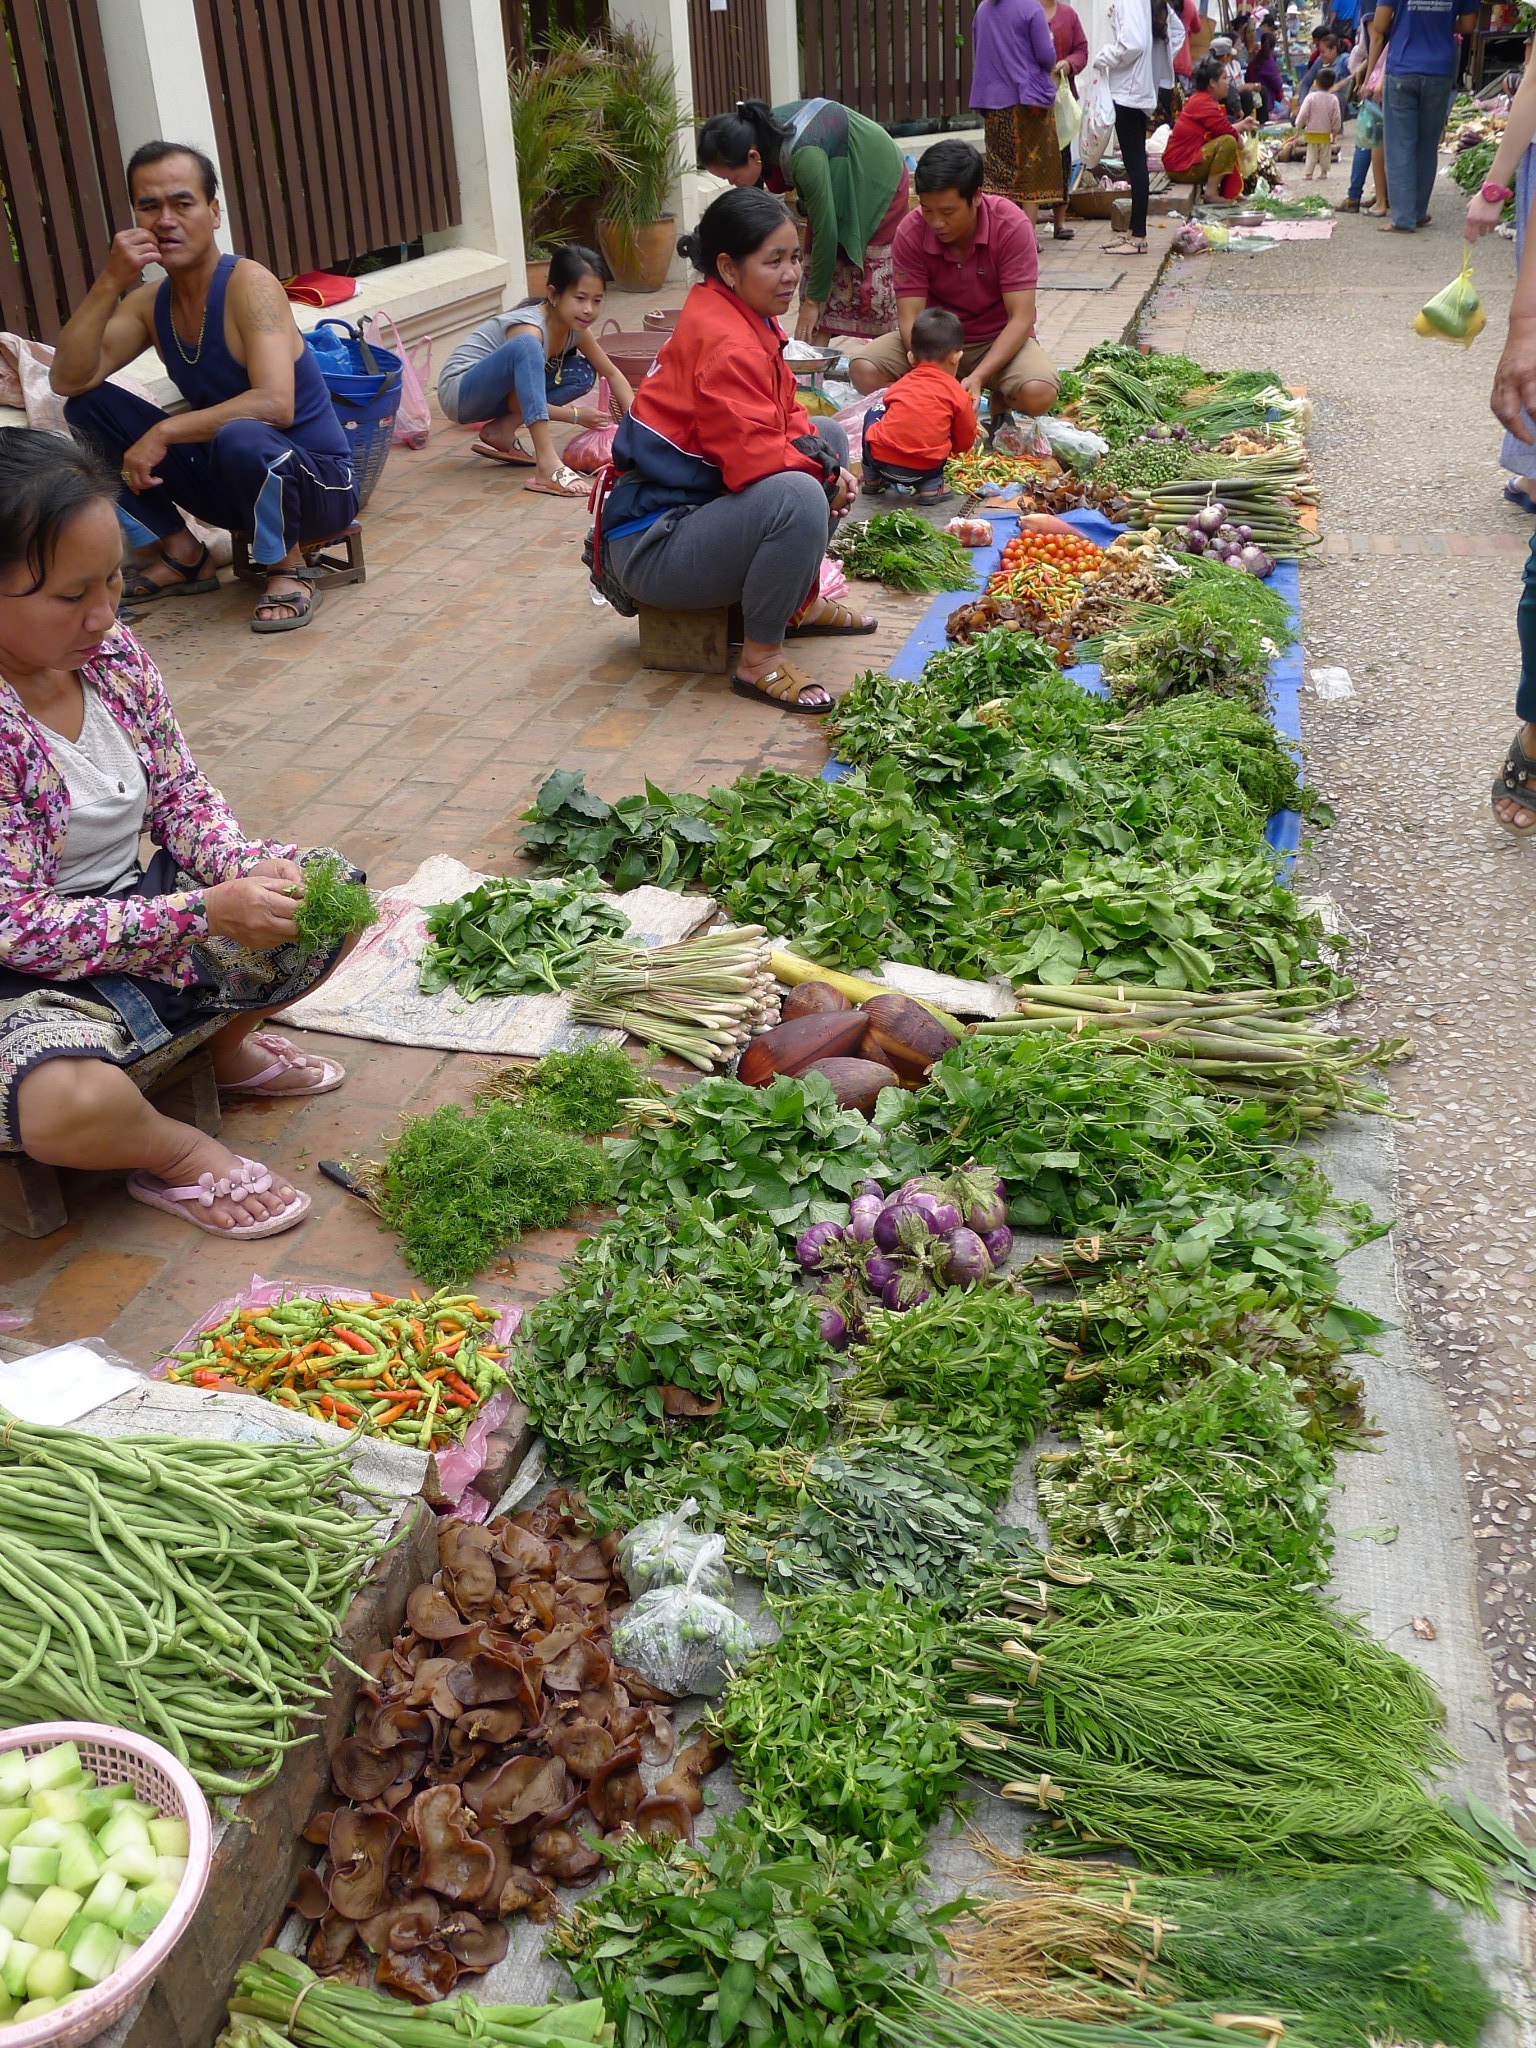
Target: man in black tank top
260, 449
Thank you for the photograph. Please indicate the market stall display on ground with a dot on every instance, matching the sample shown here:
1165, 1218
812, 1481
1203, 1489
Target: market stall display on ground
1005, 1181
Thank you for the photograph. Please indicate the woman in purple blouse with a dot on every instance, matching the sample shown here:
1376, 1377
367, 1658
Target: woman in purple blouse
1013, 88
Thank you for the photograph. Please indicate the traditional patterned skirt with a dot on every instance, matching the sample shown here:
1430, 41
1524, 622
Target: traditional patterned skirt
1024, 156
863, 302
133, 1021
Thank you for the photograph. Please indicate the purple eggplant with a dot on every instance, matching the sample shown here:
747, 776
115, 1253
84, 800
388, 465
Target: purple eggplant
832, 1325
904, 1292
812, 1245
879, 1270
862, 1213
872, 1187
980, 1197
903, 1224
946, 1219
966, 1260
999, 1244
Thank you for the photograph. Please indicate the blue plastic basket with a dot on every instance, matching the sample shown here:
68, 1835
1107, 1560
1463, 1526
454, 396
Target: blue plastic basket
364, 382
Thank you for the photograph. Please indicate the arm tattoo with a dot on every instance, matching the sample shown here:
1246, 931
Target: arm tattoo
267, 310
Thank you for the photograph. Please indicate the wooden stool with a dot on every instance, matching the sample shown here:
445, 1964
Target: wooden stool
690, 639
331, 570
31, 1199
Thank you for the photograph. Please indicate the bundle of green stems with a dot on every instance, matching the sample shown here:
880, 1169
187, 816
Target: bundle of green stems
701, 1000
1239, 1042
279, 2002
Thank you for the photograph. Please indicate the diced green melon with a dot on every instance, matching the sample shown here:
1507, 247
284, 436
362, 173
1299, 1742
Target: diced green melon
50, 1975
34, 1867
40, 1834
13, 1821
124, 1826
110, 1891
72, 1933
136, 1861
49, 1918
6, 1938
7, 2008
17, 1963
96, 1954
53, 1767
122, 1912
61, 1806
170, 1869
170, 1837
120, 1793
80, 1861
15, 1905
143, 1809
15, 1778
96, 1807
149, 1909
34, 2009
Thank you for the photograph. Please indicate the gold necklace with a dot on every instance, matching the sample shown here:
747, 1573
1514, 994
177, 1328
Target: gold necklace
197, 350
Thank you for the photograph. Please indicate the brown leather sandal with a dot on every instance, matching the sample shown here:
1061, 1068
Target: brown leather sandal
834, 618
783, 686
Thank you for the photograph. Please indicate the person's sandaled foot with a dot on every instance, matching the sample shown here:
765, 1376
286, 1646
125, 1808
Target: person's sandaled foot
1347, 206
181, 579
1062, 234
1125, 245
267, 1064
787, 689
292, 604
933, 494
245, 1199
1513, 495
565, 483
1514, 790
518, 455
834, 618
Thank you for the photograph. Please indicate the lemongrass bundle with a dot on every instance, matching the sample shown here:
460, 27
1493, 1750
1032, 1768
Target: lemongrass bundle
701, 999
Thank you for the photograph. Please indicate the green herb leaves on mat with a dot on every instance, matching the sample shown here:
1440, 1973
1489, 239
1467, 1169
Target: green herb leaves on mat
904, 551
462, 1186
333, 906
585, 1091
508, 937
652, 837
833, 1729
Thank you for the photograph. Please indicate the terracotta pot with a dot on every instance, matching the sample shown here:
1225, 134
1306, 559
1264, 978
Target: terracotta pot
639, 257
538, 278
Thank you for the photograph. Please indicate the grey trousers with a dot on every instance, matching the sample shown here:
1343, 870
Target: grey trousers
760, 548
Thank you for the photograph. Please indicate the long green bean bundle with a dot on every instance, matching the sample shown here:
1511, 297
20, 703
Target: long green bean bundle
1253, 1728
280, 2003
189, 1590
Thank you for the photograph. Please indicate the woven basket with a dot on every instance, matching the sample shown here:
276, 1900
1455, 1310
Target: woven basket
119, 1758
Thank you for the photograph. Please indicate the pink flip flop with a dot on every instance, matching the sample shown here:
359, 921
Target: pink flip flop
284, 1056
518, 456
250, 1178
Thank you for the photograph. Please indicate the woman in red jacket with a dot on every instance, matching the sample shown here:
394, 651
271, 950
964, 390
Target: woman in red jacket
1204, 141
726, 494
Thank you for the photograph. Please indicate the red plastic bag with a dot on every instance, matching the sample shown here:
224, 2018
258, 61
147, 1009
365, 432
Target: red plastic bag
592, 449
413, 422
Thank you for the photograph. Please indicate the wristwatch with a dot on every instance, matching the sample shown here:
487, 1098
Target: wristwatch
1496, 195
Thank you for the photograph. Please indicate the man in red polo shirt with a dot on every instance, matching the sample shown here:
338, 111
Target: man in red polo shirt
972, 253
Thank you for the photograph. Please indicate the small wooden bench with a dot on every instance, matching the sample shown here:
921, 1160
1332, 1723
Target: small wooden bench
331, 569
688, 640
31, 1198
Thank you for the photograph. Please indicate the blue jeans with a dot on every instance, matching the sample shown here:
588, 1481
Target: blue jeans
1414, 105
1359, 170
517, 370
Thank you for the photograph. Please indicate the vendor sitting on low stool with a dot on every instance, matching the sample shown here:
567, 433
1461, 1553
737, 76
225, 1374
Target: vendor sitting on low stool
926, 417
261, 451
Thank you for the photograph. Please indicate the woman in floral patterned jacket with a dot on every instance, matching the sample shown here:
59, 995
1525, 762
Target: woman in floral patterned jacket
106, 963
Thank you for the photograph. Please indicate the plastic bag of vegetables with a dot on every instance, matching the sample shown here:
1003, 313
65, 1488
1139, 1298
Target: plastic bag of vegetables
666, 1552
1456, 314
684, 1640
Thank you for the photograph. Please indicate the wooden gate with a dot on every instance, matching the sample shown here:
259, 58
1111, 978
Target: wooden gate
530, 24
895, 60
332, 123
730, 54
64, 195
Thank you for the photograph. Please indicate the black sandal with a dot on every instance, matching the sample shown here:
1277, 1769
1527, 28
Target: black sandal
304, 603
191, 582
1516, 783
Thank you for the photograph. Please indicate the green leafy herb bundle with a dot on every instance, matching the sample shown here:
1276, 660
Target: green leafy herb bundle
1212, 736
1078, 1135
1201, 1716
785, 1154
850, 873
833, 1731
1186, 654
586, 1091
969, 1368
904, 551
333, 906
1002, 664
671, 1327
692, 1947
652, 837
460, 1186
1220, 1469
509, 937
1230, 923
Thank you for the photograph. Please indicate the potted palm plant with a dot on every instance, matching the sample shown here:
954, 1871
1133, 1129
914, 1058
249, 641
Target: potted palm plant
641, 118
566, 157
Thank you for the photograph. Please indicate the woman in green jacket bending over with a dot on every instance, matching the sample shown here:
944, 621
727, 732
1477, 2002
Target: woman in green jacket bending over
850, 182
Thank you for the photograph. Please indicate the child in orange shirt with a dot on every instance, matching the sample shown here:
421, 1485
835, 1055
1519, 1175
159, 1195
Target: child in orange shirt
926, 417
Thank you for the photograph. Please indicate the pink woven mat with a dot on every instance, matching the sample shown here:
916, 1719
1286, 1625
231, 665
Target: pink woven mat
1287, 231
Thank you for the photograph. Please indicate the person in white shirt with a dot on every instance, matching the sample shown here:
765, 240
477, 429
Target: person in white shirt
1136, 63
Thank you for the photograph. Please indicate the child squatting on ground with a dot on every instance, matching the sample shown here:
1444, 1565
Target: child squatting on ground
926, 417
1319, 122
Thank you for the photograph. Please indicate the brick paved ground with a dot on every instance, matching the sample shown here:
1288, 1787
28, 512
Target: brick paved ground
418, 715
